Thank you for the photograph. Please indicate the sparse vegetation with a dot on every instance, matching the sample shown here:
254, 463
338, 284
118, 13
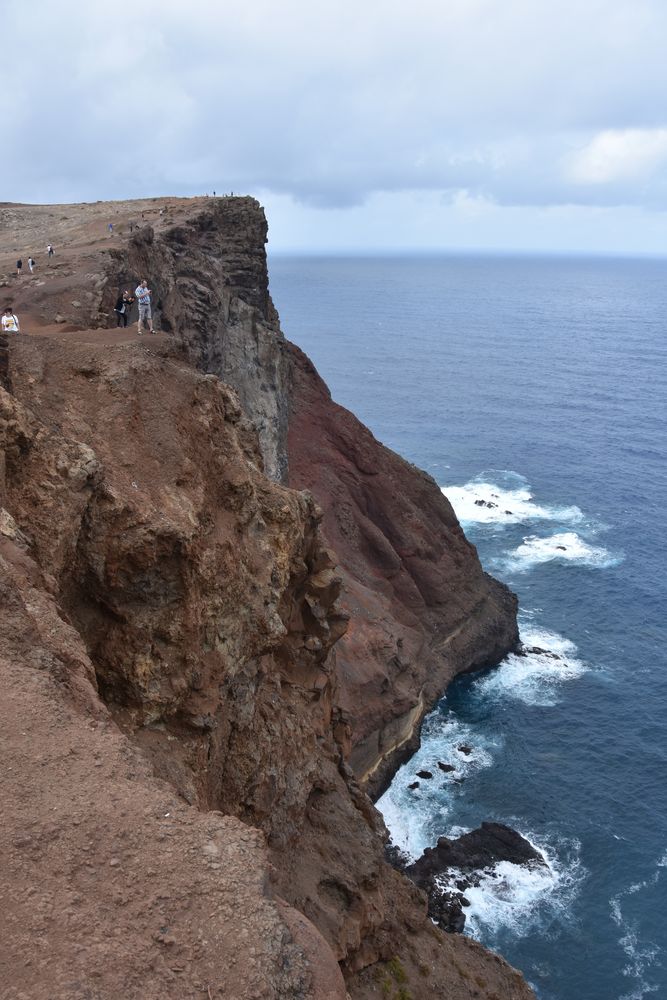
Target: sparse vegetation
395, 967
392, 978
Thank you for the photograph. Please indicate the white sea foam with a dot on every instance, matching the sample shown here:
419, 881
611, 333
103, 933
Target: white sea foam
511, 503
519, 897
566, 546
641, 955
417, 817
549, 660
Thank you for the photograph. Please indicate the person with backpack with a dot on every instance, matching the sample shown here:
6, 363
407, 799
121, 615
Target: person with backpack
10, 321
122, 308
50, 251
32, 263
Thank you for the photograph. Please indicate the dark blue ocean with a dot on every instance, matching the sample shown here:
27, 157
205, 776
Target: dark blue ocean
536, 385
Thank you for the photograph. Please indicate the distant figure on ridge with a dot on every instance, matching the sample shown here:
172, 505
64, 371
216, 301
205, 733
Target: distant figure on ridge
49, 249
143, 294
19, 265
110, 227
122, 308
31, 264
10, 321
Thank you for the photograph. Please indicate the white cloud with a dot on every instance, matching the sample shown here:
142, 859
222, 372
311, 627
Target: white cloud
619, 155
333, 104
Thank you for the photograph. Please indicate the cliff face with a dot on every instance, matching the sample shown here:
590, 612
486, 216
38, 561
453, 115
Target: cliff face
421, 608
166, 586
133, 518
211, 283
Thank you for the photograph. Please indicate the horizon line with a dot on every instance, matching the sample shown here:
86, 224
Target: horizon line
302, 251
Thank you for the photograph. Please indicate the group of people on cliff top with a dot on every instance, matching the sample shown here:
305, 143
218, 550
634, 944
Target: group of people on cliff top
32, 263
124, 303
142, 295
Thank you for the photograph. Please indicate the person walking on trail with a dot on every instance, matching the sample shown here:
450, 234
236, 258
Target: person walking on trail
31, 264
143, 294
19, 265
122, 308
50, 251
110, 228
10, 321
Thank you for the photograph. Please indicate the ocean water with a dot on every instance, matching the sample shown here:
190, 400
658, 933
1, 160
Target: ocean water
537, 385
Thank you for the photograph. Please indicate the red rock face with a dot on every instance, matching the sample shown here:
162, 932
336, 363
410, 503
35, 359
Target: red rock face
421, 608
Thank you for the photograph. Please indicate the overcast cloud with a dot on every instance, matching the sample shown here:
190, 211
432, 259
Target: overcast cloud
482, 110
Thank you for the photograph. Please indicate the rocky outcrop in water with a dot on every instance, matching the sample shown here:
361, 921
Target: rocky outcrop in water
447, 870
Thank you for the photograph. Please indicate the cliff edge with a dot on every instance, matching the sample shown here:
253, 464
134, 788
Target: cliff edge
184, 649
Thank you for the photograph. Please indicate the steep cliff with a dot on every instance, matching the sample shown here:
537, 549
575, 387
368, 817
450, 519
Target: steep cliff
143, 556
421, 608
174, 583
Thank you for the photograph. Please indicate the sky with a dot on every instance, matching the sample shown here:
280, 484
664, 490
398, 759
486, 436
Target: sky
360, 126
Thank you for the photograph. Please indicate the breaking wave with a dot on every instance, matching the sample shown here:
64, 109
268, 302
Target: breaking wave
534, 675
515, 898
507, 501
416, 817
565, 546
641, 955
500, 500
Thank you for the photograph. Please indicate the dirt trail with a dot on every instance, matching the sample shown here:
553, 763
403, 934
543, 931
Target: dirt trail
82, 241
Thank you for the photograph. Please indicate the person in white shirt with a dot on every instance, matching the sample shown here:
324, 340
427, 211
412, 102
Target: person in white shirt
10, 321
31, 264
143, 294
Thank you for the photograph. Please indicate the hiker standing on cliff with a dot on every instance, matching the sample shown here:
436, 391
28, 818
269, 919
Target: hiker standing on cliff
50, 251
19, 265
10, 321
143, 294
31, 264
122, 308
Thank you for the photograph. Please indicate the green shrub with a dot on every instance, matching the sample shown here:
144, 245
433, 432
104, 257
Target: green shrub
395, 967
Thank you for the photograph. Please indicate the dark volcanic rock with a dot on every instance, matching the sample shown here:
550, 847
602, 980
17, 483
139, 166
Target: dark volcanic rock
452, 866
446, 767
413, 785
479, 849
424, 774
465, 748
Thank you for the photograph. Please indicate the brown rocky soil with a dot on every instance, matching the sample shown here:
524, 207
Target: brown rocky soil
181, 816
